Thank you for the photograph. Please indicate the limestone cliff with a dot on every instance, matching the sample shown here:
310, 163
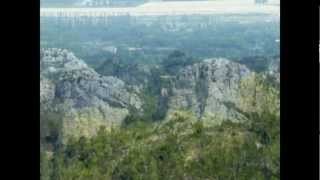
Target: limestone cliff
208, 88
85, 98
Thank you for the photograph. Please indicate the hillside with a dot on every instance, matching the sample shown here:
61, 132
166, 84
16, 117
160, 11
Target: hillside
180, 119
86, 99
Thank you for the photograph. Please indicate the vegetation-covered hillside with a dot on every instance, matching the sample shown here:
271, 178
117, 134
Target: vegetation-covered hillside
179, 147
161, 97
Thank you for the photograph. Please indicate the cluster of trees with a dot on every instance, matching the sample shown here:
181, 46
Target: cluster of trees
175, 60
180, 147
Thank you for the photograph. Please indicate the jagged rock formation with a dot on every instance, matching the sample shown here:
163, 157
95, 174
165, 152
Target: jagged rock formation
211, 88
86, 99
47, 93
208, 88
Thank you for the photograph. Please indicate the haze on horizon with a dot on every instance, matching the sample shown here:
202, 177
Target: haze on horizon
131, 3
165, 8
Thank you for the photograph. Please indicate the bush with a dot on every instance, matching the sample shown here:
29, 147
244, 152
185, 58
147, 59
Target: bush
179, 148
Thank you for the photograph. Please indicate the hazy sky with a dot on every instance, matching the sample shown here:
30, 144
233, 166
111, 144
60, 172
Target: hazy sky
76, 3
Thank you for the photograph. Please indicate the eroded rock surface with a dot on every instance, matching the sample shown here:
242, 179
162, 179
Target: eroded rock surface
86, 98
210, 87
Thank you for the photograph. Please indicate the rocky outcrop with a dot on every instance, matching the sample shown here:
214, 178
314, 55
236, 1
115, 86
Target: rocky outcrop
86, 98
47, 92
208, 88
211, 88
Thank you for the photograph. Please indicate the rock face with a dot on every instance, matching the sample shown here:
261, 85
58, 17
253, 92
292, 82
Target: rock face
86, 98
208, 88
47, 91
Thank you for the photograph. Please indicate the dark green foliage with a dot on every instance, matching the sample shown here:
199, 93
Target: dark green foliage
154, 109
255, 63
45, 166
181, 147
50, 129
175, 60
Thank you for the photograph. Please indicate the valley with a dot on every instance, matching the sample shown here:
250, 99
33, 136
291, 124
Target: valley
170, 96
